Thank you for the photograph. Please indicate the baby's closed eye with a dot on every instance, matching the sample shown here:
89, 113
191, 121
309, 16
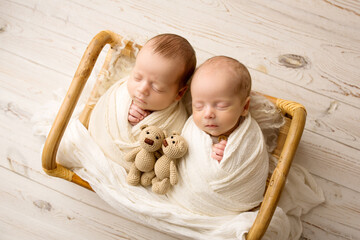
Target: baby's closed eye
222, 105
198, 105
157, 88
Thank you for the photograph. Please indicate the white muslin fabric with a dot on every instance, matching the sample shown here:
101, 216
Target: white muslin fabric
236, 184
108, 179
95, 156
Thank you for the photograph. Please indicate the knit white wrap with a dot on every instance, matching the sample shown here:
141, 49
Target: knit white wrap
236, 184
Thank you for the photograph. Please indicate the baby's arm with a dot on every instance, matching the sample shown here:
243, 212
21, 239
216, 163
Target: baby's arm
136, 114
218, 150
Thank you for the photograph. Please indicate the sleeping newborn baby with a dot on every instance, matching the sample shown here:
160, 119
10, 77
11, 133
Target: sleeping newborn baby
150, 95
226, 167
220, 99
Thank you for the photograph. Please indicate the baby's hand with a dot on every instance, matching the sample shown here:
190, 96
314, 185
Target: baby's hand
136, 114
218, 150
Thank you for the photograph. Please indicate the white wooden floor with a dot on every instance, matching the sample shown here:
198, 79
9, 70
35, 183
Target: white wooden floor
306, 51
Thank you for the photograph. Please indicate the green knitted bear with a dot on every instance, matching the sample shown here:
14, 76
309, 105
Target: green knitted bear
173, 147
144, 156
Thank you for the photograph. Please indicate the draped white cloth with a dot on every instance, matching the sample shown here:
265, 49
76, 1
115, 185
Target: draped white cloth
108, 179
236, 184
95, 156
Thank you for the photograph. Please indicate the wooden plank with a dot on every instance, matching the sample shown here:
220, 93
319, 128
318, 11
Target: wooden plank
329, 159
337, 218
30, 208
326, 116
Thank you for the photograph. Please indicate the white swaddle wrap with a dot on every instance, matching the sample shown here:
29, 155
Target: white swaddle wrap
236, 184
111, 130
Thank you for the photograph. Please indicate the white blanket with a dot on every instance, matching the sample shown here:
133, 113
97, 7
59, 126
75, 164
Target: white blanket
140, 204
107, 176
234, 185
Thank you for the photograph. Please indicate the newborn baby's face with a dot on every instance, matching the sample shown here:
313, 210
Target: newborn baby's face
216, 105
154, 81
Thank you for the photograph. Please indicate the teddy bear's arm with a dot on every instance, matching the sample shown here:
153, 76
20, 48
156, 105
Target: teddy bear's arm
130, 156
158, 154
173, 173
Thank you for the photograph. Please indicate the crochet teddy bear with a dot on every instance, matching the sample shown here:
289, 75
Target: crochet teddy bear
144, 156
173, 147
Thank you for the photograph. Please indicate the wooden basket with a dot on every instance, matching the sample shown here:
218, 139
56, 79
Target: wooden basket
288, 140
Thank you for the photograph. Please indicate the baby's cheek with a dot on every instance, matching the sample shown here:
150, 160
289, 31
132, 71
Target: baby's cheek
197, 119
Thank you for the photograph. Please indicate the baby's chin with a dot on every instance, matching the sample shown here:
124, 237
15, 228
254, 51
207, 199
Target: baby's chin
212, 133
148, 107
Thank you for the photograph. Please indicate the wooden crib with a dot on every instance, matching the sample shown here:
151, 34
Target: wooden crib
288, 140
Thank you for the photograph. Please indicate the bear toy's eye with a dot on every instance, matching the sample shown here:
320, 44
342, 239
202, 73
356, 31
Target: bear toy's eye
172, 137
173, 142
157, 137
147, 132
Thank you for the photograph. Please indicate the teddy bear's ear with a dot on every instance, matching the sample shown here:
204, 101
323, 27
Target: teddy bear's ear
143, 127
175, 133
183, 146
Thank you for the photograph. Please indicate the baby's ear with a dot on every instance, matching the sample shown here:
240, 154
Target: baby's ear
181, 93
143, 127
246, 107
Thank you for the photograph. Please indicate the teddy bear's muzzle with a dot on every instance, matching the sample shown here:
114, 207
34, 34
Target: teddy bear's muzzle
149, 141
165, 143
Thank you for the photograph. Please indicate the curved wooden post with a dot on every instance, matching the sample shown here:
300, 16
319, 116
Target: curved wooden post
278, 178
72, 96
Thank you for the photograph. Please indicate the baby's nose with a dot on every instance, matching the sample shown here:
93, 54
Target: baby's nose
209, 113
143, 88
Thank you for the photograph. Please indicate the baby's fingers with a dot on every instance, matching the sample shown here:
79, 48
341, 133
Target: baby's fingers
139, 110
132, 120
219, 146
223, 143
216, 157
134, 113
218, 151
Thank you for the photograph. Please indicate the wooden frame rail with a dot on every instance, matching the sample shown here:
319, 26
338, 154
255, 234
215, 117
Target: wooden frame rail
49, 164
278, 178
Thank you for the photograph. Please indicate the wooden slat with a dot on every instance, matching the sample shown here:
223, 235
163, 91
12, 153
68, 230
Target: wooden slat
337, 218
44, 213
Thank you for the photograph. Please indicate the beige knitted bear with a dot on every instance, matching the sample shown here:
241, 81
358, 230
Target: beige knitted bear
173, 147
144, 156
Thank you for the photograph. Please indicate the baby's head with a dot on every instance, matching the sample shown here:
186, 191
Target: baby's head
220, 91
162, 69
